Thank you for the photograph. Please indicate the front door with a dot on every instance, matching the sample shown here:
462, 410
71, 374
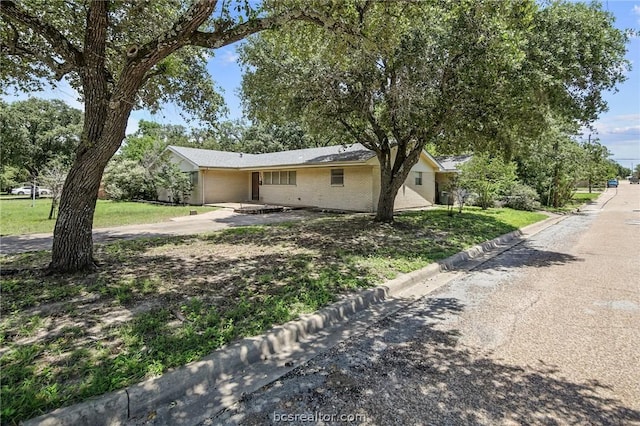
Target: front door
255, 186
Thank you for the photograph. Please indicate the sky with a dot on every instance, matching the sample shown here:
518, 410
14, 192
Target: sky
618, 129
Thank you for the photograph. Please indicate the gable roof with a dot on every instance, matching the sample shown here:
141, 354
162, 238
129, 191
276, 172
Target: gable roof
355, 153
453, 162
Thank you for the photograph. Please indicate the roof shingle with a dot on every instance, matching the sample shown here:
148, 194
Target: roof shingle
329, 154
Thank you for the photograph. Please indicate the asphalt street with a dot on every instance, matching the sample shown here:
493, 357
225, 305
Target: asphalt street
548, 332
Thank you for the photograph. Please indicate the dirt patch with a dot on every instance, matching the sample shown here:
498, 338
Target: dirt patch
162, 302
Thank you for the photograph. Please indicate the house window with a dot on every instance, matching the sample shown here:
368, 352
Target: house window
279, 178
418, 178
337, 177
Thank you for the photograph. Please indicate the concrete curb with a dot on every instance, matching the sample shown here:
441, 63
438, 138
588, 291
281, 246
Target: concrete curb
194, 379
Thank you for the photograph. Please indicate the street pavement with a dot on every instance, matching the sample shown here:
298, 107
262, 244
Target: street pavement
547, 332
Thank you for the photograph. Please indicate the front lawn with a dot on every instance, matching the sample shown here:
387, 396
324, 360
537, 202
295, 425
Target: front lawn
584, 197
17, 216
164, 302
578, 199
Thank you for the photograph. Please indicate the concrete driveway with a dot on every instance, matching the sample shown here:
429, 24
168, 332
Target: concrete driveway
185, 225
546, 333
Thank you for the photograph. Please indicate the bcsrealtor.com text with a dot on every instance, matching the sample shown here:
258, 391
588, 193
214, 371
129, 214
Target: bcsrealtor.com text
317, 417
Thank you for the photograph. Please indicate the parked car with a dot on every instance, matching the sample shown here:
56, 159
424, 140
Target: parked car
612, 183
26, 190
23, 190
634, 179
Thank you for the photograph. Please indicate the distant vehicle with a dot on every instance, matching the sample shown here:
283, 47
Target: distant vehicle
26, 190
634, 179
612, 183
23, 190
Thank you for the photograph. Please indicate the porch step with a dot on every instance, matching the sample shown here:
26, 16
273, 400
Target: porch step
260, 209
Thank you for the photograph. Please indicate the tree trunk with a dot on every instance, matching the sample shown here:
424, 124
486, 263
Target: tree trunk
385, 204
72, 236
53, 208
394, 170
556, 177
389, 186
73, 240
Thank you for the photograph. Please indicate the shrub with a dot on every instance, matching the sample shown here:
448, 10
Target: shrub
487, 177
522, 197
128, 180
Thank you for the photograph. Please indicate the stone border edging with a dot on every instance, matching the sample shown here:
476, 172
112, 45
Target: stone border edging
118, 407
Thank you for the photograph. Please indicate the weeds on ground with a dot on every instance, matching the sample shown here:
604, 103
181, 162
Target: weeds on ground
164, 302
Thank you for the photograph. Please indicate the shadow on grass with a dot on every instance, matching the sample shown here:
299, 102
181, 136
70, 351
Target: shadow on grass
182, 297
407, 368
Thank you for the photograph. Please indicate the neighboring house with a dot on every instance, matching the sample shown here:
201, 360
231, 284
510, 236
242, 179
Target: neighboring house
333, 177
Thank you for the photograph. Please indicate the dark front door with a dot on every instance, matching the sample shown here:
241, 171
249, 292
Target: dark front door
255, 186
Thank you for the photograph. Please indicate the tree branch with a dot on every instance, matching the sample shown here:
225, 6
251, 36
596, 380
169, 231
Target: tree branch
96, 34
378, 131
59, 69
59, 43
175, 38
228, 35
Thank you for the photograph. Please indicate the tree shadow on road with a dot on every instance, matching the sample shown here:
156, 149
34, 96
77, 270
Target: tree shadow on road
523, 255
410, 369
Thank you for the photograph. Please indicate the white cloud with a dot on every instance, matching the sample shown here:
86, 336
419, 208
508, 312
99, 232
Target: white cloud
229, 57
636, 11
225, 56
628, 130
628, 124
621, 134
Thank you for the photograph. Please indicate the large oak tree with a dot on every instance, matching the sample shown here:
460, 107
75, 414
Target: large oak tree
37, 131
119, 56
455, 74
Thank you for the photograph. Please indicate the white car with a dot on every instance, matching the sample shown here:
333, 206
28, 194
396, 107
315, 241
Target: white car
26, 190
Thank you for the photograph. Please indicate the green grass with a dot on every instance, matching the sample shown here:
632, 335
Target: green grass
17, 216
578, 199
160, 303
585, 196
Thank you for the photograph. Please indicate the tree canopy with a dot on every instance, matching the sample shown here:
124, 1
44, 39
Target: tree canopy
121, 56
36, 131
460, 75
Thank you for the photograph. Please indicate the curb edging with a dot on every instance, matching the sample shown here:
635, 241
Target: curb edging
137, 401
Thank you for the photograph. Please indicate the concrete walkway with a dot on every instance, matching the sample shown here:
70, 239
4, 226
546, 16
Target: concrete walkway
184, 225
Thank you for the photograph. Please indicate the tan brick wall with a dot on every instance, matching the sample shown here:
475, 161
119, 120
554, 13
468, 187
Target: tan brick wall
313, 188
222, 186
411, 195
